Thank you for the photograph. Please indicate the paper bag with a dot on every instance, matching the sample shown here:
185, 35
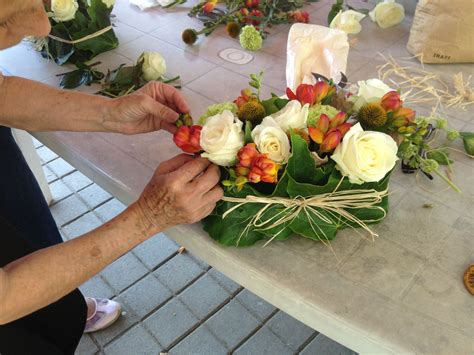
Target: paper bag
443, 31
315, 49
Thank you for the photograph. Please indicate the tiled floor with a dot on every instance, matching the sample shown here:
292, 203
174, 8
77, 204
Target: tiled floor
173, 303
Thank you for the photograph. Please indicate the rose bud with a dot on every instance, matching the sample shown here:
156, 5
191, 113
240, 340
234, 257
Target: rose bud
264, 169
209, 6
247, 154
304, 94
391, 101
188, 138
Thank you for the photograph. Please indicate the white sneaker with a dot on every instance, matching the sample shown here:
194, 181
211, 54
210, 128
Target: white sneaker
105, 314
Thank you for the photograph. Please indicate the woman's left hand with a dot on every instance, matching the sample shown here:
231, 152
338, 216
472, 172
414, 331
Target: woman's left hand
153, 107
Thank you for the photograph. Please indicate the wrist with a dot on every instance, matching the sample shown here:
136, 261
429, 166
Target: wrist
143, 223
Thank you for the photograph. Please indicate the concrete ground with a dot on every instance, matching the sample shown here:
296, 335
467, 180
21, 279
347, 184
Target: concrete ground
173, 303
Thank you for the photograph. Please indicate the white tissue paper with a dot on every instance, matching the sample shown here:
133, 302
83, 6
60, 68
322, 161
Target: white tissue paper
144, 4
315, 49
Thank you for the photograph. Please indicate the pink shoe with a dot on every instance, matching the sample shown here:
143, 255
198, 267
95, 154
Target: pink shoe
105, 314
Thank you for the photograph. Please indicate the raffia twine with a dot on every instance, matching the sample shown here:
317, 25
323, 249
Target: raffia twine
82, 39
336, 204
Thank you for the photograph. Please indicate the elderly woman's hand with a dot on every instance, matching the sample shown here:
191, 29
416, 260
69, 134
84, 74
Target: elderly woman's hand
153, 107
182, 190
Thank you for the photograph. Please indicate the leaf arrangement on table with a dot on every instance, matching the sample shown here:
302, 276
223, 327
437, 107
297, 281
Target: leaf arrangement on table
310, 163
249, 20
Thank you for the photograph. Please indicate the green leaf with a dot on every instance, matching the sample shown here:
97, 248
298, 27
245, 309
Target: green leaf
336, 7
75, 79
248, 132
441, 156
274, 104
468, 140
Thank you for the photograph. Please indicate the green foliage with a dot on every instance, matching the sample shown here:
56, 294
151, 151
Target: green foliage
301, 178
83, 75
468, 140
336, 7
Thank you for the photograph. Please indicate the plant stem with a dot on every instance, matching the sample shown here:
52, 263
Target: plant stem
448, 181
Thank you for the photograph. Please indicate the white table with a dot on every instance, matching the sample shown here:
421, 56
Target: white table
401, 294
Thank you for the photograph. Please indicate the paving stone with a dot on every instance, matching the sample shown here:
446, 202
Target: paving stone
204, 296
224, 281
59, 190
96, 287
50, 176
82, 225
124, 272
46, 155
264, 342
36, 142
86, 346
77, 181
199, 342
146, 295
198, 261
178, 272
156, 250
170, 322
68, 209
94, 195
325, 346
109, 209
60, 167
257, 306
127, 320
292, 332
135, 341
232, 324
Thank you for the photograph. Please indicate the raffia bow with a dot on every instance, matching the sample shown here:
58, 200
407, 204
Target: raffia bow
336, 203
82, 39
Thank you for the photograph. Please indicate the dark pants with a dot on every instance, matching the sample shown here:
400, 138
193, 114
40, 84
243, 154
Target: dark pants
26, 225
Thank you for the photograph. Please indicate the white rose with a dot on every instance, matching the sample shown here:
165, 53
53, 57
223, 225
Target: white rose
347, 21
292, 116
387, 13
221, 138
365, 156
64, 10
371, 90
272, 140
108, 3
154, 65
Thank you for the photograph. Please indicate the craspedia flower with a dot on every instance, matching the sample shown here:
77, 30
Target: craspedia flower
252, 111
372, 115
233, 29
250, 39
189, 36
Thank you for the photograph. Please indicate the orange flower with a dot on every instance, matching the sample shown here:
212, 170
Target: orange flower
246, 155
404, 112
244, 97
263, 169
391, 101
188, 138
209, 6
300, 16
304, 94
241, 170
322, 90
252, 3
328, 132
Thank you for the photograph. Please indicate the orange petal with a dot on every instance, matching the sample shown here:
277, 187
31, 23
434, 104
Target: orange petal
316, 135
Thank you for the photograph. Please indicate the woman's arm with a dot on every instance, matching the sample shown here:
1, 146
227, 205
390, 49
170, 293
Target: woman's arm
183, 190
33, 106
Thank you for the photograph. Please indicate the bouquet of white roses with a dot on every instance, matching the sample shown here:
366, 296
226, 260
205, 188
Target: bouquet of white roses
309, 164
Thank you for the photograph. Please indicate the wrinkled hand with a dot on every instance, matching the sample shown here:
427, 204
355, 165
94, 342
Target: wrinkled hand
182, 190
155, 106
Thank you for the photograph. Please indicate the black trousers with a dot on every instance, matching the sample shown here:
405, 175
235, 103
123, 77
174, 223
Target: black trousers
26, 225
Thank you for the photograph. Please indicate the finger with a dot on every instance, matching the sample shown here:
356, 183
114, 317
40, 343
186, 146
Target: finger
207, 210
158, 110
207, 180
170, 127
173, 164
214, 195
191, 169
174, 98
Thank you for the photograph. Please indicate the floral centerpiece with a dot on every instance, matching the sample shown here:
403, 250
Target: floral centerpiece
80, 30
311, 163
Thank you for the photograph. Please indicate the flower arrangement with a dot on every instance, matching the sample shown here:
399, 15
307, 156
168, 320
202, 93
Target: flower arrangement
80, 30
386, 13
247, 19
310, 163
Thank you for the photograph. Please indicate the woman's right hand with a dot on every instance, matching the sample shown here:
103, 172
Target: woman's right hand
182, 190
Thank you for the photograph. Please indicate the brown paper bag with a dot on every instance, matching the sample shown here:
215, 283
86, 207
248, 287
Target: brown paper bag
443, 31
